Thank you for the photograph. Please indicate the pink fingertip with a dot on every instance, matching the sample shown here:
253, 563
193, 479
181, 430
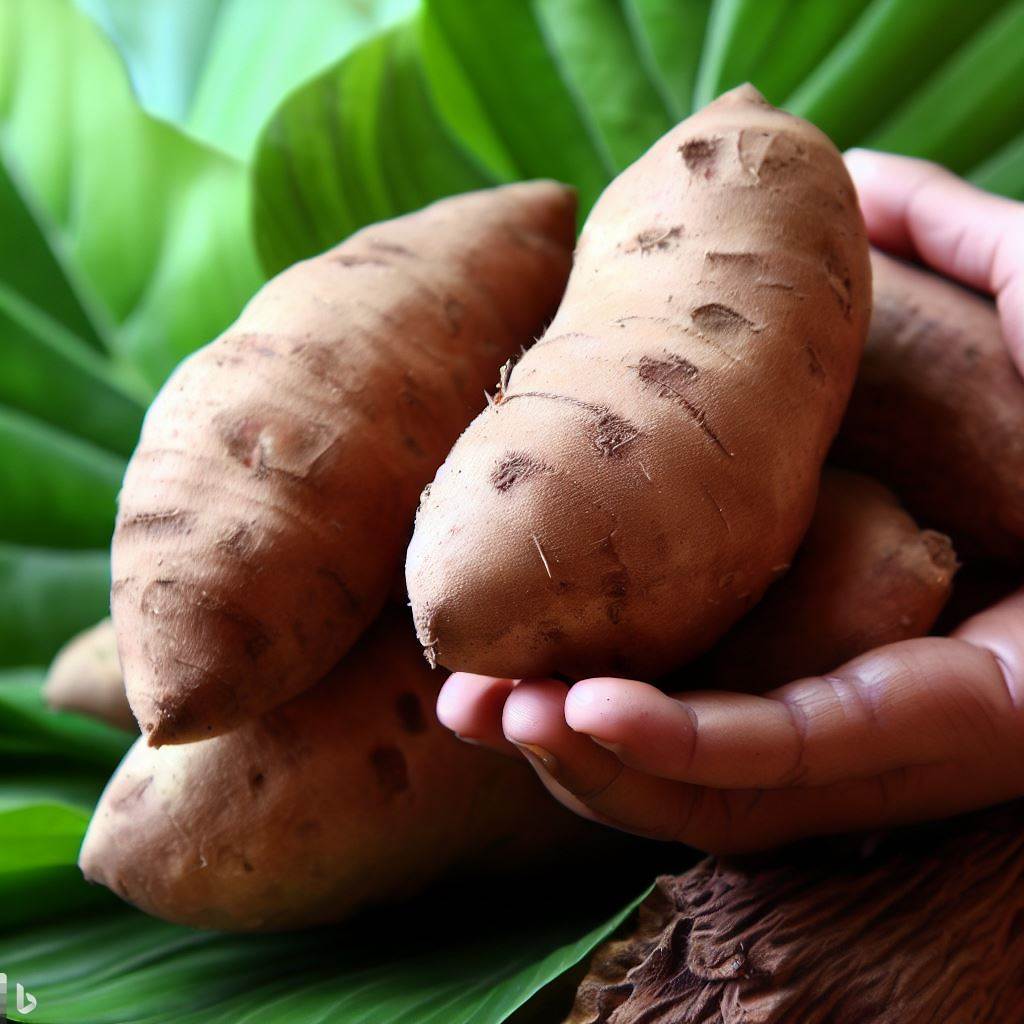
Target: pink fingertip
460, 699
534, 712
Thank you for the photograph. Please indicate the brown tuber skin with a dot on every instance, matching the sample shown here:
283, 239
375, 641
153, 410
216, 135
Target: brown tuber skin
264, 515
865, 576
938, 410
348, 795
85, 677
652, 463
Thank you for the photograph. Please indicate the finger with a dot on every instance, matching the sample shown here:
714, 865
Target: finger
1000, 631
471, 707
725, 821
916, 208
587, 780
927, 701
581, 774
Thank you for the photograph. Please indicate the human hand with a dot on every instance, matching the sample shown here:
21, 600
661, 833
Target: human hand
915, 730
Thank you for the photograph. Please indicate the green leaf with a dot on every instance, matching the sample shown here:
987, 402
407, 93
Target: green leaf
218, 67
1003, 172
51, 375
40, 835
359, 143
137, 214
670, 37
431, 962
46, 596
523, 102
891, 49
31, 731
33, 265
592, 42
57, 489
739, 32
809, 31
972, 105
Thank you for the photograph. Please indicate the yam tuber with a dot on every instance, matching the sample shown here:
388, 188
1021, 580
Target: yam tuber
265, 513
937, 413
349, 794
649, 467
865, 575
86, 677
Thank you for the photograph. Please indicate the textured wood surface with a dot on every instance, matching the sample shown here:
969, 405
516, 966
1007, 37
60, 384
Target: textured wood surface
922, 925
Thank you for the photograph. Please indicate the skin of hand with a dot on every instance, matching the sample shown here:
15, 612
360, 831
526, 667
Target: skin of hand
916, 730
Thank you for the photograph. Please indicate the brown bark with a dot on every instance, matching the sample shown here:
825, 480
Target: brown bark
922, 925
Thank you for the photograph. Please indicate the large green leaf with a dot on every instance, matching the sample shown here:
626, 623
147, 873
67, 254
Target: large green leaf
56, 488
1004, 171
738, 35
151, 227
669, 37
218, 67
592, 41
461, 957
46, 596
943, 121
31, 733
359, 143
499, 81
890, 50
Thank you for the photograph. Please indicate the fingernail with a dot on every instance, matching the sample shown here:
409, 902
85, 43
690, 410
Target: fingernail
469, 739
536, 755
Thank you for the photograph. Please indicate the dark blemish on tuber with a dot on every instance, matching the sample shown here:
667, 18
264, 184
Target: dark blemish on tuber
614, 586
352, 599
700, 155
839, 280
813, 362
613, 433
133, 796
655, 240
164, 524
551, 632
410, 713
454, 312
390, 247
391, 769
239, 542
766, 155
672, 375
511, 469
716, 318
670, 369
274, 441
353, 260
256, 781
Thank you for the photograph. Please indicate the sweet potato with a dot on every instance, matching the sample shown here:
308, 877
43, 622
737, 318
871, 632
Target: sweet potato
937, 413
650, 466
349, 794
265, 513
86, 677
866, 575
